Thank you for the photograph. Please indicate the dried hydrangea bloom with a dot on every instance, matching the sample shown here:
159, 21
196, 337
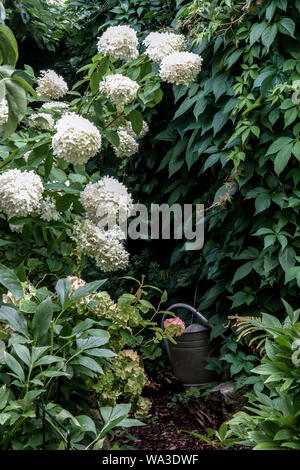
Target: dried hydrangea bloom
128, 146
20, 192
76, 139
120, 42
174, 326
106, 247
120, 90
180, 68
51, 85
97, 304
109, 199
43, 121
128, 128
47, 210
3, 112
159, 45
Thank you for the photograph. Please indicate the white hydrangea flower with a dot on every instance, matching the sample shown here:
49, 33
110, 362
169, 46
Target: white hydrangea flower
180, 67
104, 246
160, 45
296, 86
20, 192
57, 106
51, 85
3, 112
47, 210
88, 237
43, 121
119, 42
113, 255
76, 282
76, 139
119, 89
16, 228
109, 199
128, 146
9, 298
128, 127
57, 2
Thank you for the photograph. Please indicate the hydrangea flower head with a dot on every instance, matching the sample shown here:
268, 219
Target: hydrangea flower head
160, 45
119, 89
128, 145
105, 246
20, 192
3, 112
56, 106
119, 42
51, 85
109, 199
180, 68
42, 121
76, 139
48, 209
174, 326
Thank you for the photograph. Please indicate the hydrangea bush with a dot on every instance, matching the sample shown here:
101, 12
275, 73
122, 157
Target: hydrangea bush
51, 202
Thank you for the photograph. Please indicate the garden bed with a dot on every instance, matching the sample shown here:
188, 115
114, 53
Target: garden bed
169, 419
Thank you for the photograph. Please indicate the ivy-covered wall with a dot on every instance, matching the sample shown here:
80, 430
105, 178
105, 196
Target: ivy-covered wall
231, 141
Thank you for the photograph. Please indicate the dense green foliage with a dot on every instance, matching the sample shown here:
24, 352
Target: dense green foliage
232, 143
51, 356
274, 419
62, 346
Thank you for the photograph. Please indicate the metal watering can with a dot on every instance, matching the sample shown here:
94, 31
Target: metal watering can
188, 356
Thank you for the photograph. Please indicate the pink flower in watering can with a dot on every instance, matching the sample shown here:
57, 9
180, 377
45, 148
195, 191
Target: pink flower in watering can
174, 326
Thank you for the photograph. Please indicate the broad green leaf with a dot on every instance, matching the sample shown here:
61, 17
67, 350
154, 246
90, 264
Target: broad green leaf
282, 158
63, 289
8, 46
98, 352
89, 363
14, 319
23, 353
242, 271
93, 341
287, 258
86, 424
15, 366
136, 119
9, 280
42, 318
87, 289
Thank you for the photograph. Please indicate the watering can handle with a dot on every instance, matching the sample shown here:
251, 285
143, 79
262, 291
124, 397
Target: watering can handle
201, 317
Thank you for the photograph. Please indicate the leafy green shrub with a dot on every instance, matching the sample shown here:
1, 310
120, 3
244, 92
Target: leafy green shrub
120, 374
49, 356
273, 421
230, 141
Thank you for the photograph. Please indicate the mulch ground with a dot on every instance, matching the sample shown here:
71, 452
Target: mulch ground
167, 420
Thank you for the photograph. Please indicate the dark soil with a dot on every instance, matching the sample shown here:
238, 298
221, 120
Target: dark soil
169, 418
